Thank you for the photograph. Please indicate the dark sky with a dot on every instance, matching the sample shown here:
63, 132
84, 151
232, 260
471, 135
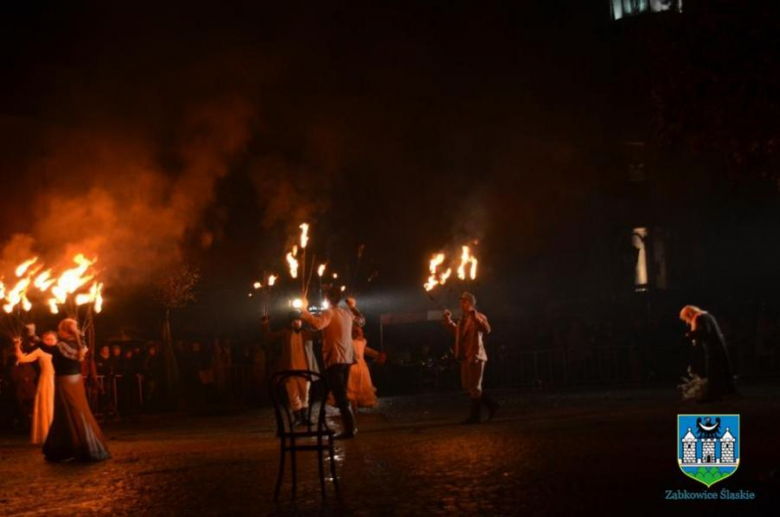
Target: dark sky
406, 126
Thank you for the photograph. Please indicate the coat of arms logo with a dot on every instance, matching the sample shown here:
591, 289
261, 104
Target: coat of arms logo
708, 446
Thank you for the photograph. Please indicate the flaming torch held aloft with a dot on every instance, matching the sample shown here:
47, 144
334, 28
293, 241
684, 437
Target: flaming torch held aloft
433, 266
63, 290
466, 270
467, 260
292, 262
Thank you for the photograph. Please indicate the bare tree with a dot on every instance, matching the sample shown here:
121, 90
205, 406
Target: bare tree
175, 290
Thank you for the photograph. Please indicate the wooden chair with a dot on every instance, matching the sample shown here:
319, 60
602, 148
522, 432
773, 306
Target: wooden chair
315, 436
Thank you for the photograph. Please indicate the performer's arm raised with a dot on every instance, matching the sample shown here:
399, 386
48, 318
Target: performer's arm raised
360, 320
318, 322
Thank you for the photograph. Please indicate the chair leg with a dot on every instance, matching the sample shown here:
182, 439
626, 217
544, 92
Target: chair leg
320, 464
282, 454
293, 466
333, 464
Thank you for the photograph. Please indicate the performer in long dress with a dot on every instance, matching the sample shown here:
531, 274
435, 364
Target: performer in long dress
74, 433
296, 353
43, 412
470, 351
360, 390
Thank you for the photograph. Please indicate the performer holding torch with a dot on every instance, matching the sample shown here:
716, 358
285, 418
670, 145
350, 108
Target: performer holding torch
297, 353
470, 352
74, 433
337, 350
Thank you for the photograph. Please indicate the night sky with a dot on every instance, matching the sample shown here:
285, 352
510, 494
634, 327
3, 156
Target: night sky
405, 126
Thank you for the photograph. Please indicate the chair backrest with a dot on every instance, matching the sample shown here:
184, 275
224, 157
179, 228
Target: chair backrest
278, 391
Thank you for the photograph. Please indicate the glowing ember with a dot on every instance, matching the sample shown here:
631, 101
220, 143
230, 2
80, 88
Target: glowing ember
343, 288
297, 303
271, 280
257, 285
304, 235
321, 270
335, 275
24, 266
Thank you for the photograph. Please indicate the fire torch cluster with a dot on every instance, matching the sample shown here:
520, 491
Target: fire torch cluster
68, 288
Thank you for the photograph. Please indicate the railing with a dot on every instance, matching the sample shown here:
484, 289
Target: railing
111, 394
598, 365
615, 365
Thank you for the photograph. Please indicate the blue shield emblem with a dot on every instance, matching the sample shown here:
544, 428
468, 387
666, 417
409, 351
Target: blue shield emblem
708, 446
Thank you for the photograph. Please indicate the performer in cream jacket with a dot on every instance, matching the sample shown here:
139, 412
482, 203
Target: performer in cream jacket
470, 352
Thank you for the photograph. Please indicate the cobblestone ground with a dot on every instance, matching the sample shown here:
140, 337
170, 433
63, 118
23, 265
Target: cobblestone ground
546, 454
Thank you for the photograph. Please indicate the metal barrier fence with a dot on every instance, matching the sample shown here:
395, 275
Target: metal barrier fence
616, 365
598, 365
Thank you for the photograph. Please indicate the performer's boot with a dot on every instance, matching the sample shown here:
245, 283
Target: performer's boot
491, 404
348, 421
304, 417
296, 419
476, 410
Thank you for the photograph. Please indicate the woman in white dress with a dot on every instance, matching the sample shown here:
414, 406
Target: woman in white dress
43, 412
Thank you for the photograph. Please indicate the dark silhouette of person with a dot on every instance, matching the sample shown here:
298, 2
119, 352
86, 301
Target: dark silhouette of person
705, 333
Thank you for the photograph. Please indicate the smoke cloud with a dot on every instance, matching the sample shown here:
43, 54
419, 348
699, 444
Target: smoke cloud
110, 195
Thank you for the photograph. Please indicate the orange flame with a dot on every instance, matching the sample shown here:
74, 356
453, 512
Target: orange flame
271, 280
304, 235
467, 259
44, 281
293, 263
98, 297
72, 279
17, 295
321, 270
53, 306
22, 268
434, 264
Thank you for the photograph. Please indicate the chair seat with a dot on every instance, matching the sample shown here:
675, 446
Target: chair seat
305, 434
312, 447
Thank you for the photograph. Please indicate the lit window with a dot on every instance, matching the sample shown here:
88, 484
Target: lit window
623, 8
640, 271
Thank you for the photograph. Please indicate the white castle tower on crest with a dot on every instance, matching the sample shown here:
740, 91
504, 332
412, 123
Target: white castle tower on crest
689, 447
710, 454
727, 447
